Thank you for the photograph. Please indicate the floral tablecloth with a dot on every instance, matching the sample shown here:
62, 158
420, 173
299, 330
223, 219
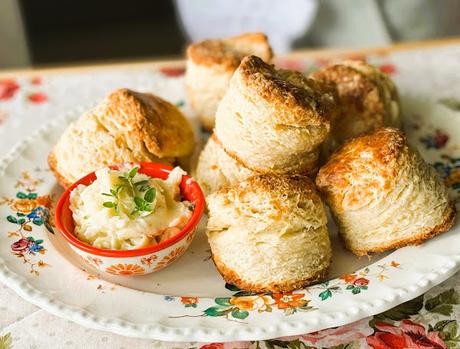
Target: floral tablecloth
429, 321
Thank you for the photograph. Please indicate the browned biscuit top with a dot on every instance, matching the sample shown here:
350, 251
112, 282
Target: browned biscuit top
368, 163
229, 52
277, 189
365, 96
309, 102
147, 121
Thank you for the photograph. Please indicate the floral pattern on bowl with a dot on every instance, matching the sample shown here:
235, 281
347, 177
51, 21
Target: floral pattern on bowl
141, 265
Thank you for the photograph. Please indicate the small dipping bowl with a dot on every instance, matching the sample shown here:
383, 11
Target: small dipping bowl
137, 261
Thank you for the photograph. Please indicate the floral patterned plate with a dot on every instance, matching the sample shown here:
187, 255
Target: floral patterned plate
188, 300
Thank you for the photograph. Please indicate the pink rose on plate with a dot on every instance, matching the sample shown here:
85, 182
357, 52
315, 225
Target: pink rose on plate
339, 335
21, 246
407, 335
361, 282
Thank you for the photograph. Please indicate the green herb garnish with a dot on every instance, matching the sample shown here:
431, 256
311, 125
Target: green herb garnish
141, 193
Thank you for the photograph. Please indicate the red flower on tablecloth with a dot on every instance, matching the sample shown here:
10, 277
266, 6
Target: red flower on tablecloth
389, 69
213, 346
8, 89
172, 72
330, 337
36, 80
228, 345
407, 335
38, 97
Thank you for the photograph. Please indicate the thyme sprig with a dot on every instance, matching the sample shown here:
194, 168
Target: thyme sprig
142, 194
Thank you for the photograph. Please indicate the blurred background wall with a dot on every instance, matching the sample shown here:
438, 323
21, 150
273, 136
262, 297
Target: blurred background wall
13, 41
53, 32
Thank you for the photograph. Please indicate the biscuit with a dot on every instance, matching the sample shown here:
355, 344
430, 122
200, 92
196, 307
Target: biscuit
368, 99
269, 234
383, 195
210, 65
274, 121
127, 127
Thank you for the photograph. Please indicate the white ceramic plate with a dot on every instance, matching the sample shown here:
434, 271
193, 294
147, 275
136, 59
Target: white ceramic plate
188, 300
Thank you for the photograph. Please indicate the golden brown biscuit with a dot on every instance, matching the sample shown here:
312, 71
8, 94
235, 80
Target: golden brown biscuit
127, 127
269, 233
383, 195
210, 65
274, 121
368, 99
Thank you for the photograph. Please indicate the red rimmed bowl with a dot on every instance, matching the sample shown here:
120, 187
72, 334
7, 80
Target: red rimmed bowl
137, 261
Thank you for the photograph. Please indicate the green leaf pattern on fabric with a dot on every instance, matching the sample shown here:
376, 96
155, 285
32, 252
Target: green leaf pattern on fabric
451, 103
404, 310
6, 341
443, 303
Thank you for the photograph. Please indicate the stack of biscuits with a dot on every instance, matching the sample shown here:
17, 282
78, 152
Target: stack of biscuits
270, 121
274, 129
